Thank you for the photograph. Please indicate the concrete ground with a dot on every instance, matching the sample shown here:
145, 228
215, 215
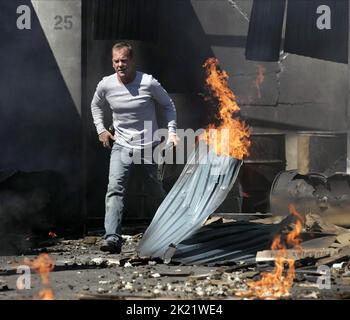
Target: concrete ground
82, 271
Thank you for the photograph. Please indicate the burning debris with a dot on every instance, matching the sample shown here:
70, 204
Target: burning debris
275, 284
43, 265
231, 136
81, 271
207, 177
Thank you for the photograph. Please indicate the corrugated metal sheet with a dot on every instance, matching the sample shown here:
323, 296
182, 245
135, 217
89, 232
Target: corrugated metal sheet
225, 243
201, 188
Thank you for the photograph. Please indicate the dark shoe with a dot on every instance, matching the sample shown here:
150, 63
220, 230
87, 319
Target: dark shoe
111, 246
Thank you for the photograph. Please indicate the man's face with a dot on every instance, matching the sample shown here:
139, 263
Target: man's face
123, 64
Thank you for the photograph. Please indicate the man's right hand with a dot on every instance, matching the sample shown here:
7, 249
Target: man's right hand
104, 138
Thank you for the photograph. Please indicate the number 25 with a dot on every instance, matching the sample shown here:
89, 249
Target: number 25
65, 21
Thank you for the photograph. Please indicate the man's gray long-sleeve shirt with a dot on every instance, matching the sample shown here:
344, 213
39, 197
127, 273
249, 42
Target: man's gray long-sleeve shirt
133, 107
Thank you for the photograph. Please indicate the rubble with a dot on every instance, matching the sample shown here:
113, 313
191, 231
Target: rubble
270, 255
83, 272
3, 286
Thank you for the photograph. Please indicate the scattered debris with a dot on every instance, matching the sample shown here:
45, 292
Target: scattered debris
342, 255
90, 240
155, 275
3, 286
127, 265
90, 274
271, 255
344, 239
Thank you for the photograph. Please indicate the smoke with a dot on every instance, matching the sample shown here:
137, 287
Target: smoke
23, 212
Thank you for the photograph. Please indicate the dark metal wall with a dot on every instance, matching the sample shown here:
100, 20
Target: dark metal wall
40, 131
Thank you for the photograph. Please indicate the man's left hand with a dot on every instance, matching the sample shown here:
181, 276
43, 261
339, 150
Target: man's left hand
173, 138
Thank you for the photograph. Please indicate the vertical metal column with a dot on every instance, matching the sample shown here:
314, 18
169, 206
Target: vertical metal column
84, 116
348, 98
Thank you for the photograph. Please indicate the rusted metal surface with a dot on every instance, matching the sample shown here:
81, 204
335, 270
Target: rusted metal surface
313, 193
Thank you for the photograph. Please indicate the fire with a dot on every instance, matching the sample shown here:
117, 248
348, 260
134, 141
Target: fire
292, 237
231, 137
46, 294
275, 284
52, 234
260, 79
43, 265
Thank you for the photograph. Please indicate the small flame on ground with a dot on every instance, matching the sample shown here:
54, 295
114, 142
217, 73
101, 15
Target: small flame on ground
275, 284
52, 234
260, 79
43, 265
46, 294
231, 137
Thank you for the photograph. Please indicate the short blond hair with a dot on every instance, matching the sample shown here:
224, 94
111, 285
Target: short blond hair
123, 44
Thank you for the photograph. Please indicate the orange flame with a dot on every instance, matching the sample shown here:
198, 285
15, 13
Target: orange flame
292, 237
231, 137
275, 284
43, 265
52, 234
260, 79
46, 294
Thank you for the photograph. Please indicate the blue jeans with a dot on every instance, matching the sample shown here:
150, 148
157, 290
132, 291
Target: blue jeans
119, 172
